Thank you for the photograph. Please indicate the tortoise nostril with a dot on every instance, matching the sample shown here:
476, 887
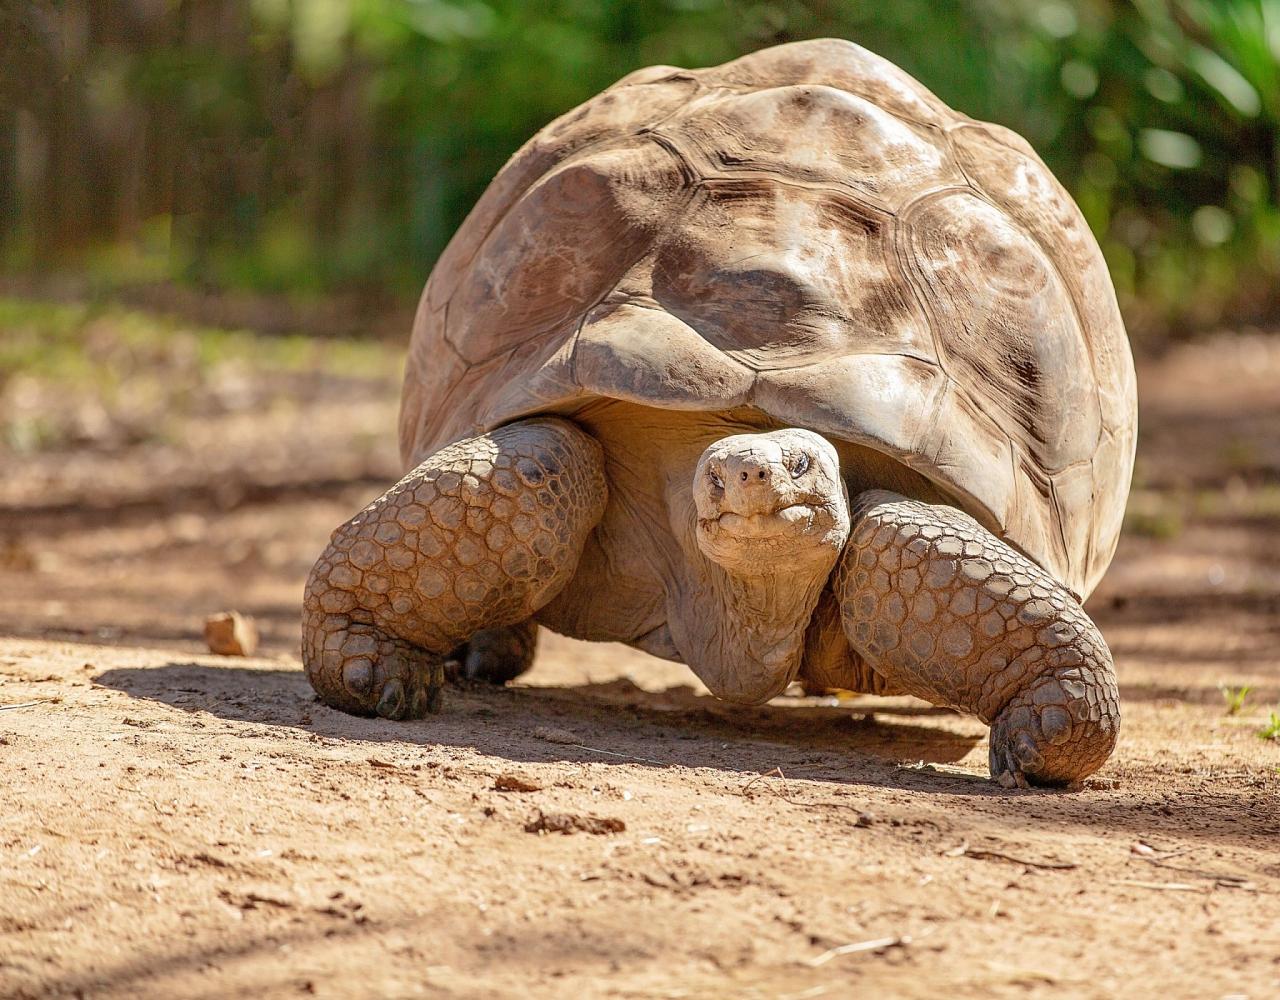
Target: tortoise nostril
748, 473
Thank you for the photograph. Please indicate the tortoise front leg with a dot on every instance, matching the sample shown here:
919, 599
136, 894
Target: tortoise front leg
946, 611
479, 536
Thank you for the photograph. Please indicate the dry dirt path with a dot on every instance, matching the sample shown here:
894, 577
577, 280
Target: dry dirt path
179, 825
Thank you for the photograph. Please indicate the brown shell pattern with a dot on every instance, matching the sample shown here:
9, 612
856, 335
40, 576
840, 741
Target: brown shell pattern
808, 231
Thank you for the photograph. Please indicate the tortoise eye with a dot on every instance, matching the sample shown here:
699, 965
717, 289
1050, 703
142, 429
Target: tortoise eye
716, 481
801, 466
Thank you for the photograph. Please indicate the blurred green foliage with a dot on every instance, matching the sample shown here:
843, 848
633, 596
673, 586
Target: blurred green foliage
314, 146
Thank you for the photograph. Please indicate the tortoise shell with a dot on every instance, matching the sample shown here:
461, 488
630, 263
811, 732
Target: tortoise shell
809, 232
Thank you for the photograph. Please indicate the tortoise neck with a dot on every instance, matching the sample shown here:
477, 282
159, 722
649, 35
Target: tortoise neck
741, 632
744, 636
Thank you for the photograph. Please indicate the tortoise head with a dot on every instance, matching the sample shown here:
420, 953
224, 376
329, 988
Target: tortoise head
771, 503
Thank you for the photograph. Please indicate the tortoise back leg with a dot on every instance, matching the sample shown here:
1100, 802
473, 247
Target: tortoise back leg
498, 655
946, 611
479, 536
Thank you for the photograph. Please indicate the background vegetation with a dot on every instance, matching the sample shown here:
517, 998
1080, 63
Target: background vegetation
322, 148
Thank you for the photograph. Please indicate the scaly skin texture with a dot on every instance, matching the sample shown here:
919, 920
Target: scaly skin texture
947, 612
479, 536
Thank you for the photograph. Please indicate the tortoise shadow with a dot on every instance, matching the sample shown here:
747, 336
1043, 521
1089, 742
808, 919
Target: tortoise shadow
619, 723
615, 721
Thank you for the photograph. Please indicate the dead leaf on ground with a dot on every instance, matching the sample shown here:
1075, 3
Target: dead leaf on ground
568, 823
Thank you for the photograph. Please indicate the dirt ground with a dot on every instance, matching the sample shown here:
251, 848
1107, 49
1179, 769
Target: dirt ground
175, 824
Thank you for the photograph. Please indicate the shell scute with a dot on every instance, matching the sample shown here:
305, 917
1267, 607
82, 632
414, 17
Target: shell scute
816, 135
525, 282
777, 277
836, 63
1006, 326
1006, 169
649, 355
624, 109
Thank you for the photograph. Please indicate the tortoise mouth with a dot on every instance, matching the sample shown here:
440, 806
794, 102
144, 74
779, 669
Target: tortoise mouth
752, 543
790, 519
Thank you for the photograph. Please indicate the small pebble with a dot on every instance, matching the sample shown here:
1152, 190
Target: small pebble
231, 634
509, 782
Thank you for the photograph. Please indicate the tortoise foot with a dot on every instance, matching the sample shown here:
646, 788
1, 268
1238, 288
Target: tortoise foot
369, 672
1056, 733
462, 551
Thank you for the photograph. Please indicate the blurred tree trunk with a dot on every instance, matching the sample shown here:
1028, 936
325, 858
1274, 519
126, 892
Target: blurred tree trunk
8, 170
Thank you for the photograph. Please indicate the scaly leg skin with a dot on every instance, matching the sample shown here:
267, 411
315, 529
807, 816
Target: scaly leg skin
497, 655
949, 613
479, 536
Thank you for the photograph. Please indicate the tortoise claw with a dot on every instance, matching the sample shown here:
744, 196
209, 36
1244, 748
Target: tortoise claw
391, 703
433, 700
423, 695
1013, 757
1005, 770
417, 704
428, 692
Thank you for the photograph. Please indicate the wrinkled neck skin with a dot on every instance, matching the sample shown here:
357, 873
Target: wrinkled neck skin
743, 636
740, 622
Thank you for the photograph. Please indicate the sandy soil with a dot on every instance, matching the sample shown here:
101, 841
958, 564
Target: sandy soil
175, 824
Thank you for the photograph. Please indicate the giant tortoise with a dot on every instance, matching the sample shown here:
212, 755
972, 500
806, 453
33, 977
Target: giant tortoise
781, 369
